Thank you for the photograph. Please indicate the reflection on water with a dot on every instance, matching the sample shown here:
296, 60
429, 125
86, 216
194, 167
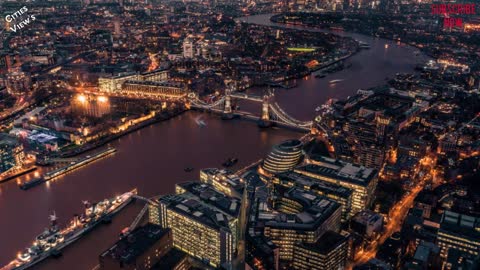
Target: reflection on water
152, 159
369, 68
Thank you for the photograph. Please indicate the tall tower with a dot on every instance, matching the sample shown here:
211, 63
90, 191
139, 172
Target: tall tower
227, 111
228, 104
265, 104
265, 118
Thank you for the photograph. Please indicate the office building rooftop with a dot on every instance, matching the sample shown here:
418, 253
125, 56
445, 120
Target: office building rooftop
314, 184
326, 243
344, 171
367, 217
314, 210
204, 204
170, 260
127, 249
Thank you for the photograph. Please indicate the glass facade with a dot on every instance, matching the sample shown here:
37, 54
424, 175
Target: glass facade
283, 157
345, 175
325, 255
200, 228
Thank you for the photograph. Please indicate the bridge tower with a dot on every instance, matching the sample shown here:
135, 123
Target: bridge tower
265, 105
227, 111
228, 104
265, 119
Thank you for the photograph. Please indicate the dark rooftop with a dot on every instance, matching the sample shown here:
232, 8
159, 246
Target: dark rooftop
314, 184
127, 249
170, 260
204, 204
325, 244
340, 170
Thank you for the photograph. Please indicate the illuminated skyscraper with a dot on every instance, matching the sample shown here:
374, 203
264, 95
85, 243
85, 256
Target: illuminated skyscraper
328, 253
361, 180
223, 181
300, 216
204, 222
140, 250
458, 231
333, 191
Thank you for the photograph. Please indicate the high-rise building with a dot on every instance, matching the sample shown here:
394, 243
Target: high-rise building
301, 216
458, 231
18, 83
372, 126
11, 153
223, 181
139, 250
426, 257
361, 180
328, 253
461, 260
367, 223
335, 192
261, 253
204, 222
283, 157
369, 155
391, 251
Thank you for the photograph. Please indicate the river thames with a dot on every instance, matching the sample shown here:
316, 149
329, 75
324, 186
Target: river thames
153, 159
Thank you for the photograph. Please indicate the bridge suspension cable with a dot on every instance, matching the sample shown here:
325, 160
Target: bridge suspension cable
203, 105
247, 97
279, 113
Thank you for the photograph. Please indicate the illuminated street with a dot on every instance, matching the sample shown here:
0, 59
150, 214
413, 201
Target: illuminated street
396, 218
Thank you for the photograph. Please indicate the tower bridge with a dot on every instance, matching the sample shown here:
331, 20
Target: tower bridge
272, 113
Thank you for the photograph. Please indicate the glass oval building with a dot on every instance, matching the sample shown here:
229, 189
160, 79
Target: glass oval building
283, 157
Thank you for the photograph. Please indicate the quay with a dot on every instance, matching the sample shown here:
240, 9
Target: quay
16, 174
65, 169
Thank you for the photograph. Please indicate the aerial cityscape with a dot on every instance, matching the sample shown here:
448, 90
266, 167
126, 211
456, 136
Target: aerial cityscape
240, 134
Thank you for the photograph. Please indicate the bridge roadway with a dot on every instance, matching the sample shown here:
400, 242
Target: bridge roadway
276, 114
247, 97
251, 116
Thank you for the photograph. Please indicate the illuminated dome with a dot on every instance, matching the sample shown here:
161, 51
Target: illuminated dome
283, 157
